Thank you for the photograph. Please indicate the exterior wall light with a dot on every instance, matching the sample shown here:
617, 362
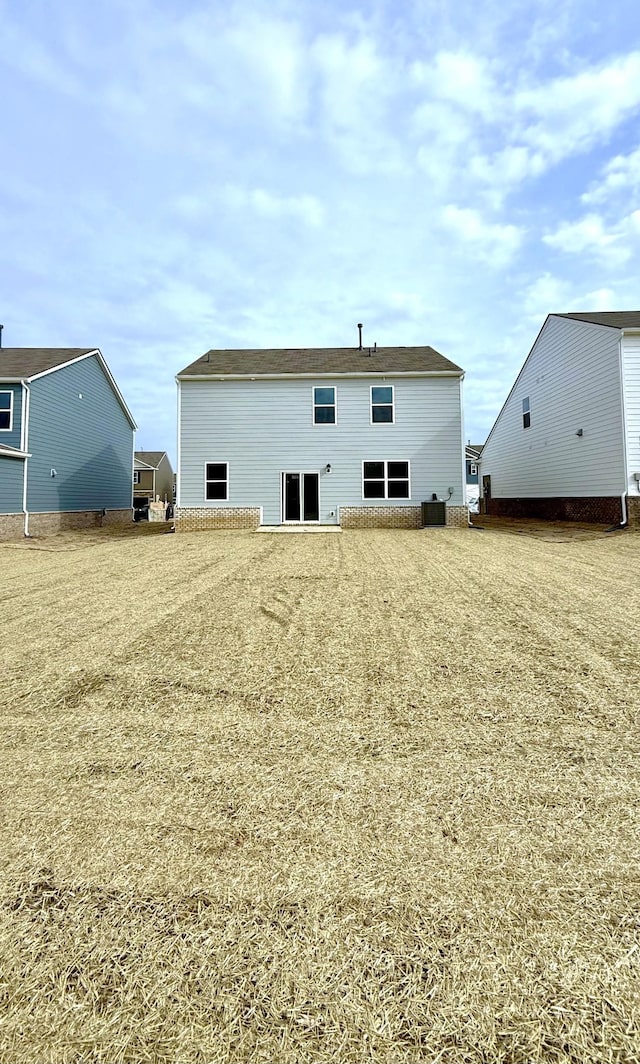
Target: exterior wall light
328, 467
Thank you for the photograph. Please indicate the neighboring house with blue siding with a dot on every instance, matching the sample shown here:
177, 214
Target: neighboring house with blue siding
327, 436
566, 444
66, 442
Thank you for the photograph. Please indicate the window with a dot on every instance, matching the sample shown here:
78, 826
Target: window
473, 469
324, 406
385, 480
6, 411
526, 413
136, 476
217, 480
381, 404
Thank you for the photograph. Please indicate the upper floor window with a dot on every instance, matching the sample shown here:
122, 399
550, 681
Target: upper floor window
473, 469
385, 480
324, 406
6, 411
526, 413
382, 404
217, 480
136, 476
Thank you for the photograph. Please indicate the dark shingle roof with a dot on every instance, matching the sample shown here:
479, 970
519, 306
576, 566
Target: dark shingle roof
325, 360
474, 450
615, 319
150, 458
29, 361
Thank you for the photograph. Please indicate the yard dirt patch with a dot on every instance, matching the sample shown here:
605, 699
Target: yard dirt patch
295, 799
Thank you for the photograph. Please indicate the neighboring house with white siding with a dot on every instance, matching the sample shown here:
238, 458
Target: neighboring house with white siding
66, 442
325, 436
566, 444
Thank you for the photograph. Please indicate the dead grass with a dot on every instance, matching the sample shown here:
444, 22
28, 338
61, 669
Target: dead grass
370, 797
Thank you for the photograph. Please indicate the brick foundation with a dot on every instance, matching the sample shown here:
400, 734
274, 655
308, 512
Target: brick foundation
396, 516
457, 516
49, 524
633, 512
203, 518
11, 526
604, 510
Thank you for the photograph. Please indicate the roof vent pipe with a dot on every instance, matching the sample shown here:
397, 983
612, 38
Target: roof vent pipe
359, 336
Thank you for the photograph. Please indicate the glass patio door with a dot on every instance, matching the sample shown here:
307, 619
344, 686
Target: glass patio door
301, 497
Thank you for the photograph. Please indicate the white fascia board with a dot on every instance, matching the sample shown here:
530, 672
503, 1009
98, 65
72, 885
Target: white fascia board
137, 464
107, 372
458, 374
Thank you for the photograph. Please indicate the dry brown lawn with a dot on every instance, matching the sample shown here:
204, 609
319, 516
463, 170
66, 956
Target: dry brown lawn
290, 799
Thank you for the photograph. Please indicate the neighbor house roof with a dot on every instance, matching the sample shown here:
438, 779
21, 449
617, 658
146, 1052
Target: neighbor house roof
149, 458
615, 319
29, 362
319, 360
473, 450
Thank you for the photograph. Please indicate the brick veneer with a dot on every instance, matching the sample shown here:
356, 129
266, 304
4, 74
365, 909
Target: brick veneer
604, 510
12, 525
396, 516
201, 518
633, 512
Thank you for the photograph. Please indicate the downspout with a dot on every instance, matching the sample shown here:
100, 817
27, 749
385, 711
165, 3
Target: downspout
623, 497
25, 447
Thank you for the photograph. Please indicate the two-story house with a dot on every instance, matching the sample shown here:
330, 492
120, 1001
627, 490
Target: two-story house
566, 444
66, 442
325, 436
153, 478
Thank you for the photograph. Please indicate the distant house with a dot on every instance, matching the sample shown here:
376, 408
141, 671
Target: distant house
153, 478
472, 459
66, 442
566, 444
326, 436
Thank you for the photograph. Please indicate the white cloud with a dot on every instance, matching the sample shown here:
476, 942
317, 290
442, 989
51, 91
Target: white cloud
492, 242
612, 245
621, 175
570, 114
305, 208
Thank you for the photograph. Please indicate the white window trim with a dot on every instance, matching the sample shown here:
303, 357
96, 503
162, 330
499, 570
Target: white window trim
526, 400
10, 392
136, 476
473, 469
324, 424
393, 405
212, 461
385, 497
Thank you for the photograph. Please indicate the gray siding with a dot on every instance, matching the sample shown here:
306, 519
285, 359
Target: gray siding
265, 427
631, 375
88, 441
13, 438
11, 485
572, 379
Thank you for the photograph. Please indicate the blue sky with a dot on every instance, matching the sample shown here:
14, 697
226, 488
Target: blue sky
181, 176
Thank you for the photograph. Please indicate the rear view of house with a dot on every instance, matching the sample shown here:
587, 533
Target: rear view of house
153, 481
66, 442
323, 436
566, 444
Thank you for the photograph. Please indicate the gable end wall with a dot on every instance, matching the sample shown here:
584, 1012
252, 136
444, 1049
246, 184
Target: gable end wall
88, 441
572, 379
